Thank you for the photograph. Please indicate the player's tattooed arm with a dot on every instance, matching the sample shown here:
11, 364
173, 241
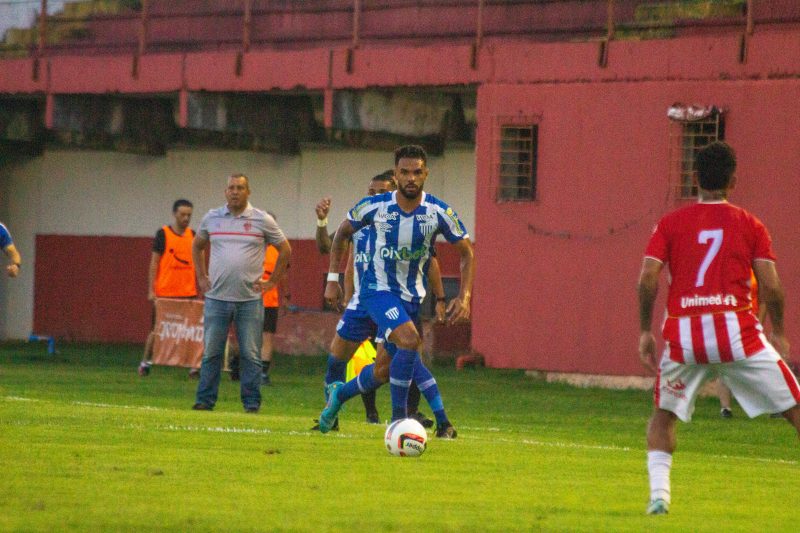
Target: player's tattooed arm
322, 237
648, 290
458, 310
333, 291
437, 289
771, 295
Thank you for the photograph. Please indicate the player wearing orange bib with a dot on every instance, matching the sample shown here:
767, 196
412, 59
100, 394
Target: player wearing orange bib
171, 273
710, 249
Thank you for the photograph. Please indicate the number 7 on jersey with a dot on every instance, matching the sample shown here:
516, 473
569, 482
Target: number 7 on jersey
715, 236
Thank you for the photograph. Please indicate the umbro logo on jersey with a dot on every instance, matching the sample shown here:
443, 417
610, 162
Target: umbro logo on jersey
383, 226
392, 314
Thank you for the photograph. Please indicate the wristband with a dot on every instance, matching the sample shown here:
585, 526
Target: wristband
322, 223
333, 276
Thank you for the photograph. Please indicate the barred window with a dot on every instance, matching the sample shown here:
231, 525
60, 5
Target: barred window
692, 129
517, 162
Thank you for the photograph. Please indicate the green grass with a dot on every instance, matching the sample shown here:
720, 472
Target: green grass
87, 445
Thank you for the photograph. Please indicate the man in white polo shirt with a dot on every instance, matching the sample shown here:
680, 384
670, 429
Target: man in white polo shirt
238, 234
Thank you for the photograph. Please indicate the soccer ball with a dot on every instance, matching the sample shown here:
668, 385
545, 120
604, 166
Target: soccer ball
406, 438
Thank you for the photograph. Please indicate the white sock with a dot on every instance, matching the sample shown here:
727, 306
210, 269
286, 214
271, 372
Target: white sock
659, 465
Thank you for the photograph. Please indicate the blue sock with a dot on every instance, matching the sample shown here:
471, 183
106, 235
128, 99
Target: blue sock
427, 386
337, 370
401, 371
364, 382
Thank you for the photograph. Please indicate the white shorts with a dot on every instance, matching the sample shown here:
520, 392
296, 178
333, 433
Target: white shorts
761, 384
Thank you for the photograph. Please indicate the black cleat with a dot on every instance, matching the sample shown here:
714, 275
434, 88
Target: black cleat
335, 426
234, 375
373, 418
725, 413
422, 419
265, 381
252, 410
446, 432
202, 407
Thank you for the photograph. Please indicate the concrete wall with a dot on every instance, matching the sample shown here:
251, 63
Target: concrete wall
92, 193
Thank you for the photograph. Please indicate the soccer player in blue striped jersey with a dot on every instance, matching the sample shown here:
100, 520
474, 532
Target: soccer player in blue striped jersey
402, 228
342, 349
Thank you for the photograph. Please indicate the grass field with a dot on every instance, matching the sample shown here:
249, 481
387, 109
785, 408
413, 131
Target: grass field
88, 445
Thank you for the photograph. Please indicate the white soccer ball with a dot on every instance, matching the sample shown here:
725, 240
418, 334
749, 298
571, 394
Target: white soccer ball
406, 438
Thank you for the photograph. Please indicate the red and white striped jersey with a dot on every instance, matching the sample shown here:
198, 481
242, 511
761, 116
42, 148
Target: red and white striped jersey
709, 249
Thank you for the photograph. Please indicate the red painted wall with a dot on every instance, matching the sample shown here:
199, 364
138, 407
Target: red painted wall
95, 288
569, 303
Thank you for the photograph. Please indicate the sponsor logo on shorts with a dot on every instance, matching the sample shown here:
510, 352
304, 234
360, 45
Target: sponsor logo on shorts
676, 387
392, 314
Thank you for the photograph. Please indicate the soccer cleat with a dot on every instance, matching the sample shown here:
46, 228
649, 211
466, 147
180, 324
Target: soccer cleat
373, 418
202, 407
335, 426
422, 419
725, 413
265, 379
234, 375
194, 373
251, 410
446, 431
658, 506
144, 368
328, 415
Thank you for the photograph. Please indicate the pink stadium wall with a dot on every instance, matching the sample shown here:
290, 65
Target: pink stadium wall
543, 300
603, 183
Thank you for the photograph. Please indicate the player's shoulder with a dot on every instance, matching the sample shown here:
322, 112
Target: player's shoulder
160, 233
435, 202
4, 229
370, 203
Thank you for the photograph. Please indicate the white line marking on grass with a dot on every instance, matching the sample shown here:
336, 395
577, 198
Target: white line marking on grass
222, 429
553, 444
626, 449
118, 406
19, 399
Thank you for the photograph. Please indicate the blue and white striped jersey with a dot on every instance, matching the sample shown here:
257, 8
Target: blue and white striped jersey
361, 257
401, 242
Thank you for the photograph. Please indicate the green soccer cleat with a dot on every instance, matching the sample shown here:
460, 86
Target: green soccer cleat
658, 506
328, 416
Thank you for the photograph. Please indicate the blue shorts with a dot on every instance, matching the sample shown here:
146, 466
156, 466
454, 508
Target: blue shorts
381, 308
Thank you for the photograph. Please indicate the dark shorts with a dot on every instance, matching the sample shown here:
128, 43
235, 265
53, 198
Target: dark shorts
270, 319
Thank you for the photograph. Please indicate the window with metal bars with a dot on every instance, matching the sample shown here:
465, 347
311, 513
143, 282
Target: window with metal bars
687, 137
517, 162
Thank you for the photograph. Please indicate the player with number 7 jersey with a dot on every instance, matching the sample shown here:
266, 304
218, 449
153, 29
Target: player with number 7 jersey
709, 249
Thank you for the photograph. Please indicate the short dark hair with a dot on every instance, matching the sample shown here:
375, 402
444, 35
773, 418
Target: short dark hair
411, 151
715, 164
386, 175
181, 203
